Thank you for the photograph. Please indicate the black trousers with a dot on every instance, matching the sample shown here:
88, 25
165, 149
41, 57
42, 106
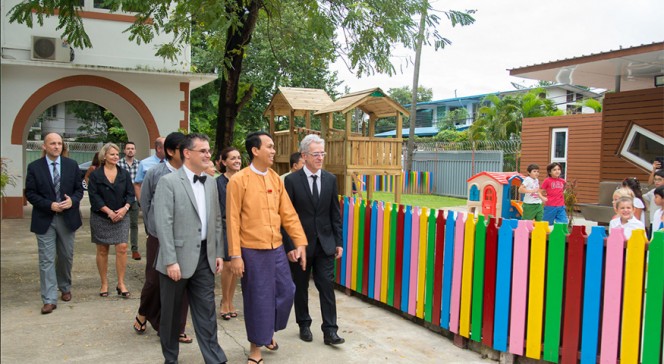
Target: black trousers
200, 289
150, 305
322, 266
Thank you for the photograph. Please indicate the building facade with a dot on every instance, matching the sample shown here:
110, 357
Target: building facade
148, 95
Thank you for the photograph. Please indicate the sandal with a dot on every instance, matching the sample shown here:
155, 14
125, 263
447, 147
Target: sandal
233, 314
273, 346
103, 294
183, 338
226, 315
259, 361
124, 294
142, 326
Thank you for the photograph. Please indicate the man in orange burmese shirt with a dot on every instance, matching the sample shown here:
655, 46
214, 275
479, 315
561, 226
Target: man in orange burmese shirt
257, 207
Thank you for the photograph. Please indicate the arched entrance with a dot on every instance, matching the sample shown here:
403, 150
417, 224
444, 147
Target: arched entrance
121, 101
128, 107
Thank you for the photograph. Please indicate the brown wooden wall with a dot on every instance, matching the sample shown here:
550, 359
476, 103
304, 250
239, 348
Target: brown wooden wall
642, 107
583, 149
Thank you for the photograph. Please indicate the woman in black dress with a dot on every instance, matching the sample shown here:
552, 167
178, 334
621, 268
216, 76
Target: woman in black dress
111, 195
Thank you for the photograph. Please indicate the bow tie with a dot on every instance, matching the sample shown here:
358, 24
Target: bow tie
200, 178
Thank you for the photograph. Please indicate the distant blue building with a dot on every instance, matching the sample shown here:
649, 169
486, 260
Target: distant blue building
429, 113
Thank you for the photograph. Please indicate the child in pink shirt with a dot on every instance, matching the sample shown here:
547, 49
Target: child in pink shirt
553, 188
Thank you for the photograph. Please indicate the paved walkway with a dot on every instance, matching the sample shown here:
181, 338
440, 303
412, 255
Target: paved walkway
91, 329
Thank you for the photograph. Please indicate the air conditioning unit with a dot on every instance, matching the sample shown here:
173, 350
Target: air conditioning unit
51, 49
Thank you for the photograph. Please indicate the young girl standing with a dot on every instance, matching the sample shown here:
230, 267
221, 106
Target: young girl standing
639, 207
624, 207
553, 187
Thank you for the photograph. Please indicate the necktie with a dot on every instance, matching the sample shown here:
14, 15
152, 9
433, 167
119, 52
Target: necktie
200, 178
56, 182
315, 189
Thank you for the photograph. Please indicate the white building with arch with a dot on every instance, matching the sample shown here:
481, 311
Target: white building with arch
148, 95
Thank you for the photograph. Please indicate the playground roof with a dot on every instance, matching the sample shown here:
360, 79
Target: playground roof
372, 101
500, 177
300, 100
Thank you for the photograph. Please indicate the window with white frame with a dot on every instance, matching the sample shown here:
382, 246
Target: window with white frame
641, 146
559, 137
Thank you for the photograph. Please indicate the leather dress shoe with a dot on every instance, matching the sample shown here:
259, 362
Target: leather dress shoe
48, 308
305, 334
66, 296
136, 255
333, 339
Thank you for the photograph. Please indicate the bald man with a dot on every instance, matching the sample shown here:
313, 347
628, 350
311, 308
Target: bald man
53, 187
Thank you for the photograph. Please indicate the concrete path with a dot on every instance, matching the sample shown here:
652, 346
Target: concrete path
91, 329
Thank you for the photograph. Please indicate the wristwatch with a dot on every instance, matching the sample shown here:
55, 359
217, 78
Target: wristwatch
126, 208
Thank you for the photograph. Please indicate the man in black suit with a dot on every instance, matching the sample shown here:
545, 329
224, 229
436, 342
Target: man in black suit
53, 187
313, 193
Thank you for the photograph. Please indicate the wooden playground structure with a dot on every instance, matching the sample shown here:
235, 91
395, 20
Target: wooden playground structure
348, 153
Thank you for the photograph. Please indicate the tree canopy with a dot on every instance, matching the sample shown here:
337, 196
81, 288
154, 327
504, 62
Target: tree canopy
404, 94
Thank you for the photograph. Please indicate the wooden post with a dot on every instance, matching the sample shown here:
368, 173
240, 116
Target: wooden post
324, 127
370, 178
272, 121
347, 157
293, 139
397, 179
372, 124
307, 119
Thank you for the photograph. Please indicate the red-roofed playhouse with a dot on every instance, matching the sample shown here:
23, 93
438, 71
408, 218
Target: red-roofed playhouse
495, 194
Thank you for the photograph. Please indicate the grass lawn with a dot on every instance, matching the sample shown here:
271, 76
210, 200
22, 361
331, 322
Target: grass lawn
431, 201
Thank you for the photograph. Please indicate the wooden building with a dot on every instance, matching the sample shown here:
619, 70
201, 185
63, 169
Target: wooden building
348, 153
621, 141
292, 102
583, 134
365, 154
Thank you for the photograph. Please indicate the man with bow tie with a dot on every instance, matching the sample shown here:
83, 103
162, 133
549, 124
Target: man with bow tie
188, 223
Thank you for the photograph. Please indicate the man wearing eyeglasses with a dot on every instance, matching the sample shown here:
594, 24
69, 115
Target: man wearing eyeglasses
188, 224
314, 195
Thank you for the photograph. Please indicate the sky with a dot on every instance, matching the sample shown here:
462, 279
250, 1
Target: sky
516, 33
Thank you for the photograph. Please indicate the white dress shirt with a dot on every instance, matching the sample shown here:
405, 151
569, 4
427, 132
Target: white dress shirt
311, 180
199, 194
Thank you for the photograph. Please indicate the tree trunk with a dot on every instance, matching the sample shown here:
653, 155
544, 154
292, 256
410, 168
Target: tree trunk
413, 104
236, 42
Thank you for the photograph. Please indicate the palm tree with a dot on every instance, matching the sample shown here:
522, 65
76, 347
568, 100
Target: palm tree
500, 118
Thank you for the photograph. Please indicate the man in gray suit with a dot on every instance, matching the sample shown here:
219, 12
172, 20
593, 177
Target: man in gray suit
188, 224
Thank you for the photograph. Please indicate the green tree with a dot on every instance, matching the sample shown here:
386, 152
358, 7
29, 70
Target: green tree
500, 118
452, 118
404, 94
596, 105
97, 123
451, 135
281, 53
369, 31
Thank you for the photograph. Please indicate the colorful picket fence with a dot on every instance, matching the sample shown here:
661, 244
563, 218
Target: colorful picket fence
512, 285
411, 182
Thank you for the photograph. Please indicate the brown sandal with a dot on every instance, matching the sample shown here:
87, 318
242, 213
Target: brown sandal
183, 338
272, 346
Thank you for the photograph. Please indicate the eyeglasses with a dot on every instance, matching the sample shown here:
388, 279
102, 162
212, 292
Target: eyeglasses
202, 151
318, 154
